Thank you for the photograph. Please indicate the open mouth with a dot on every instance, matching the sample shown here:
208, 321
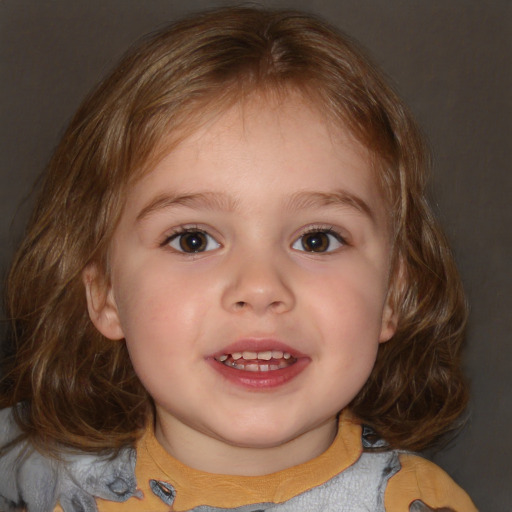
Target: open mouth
263, 361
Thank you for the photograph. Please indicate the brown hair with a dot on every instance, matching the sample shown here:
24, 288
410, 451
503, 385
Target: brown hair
81, 388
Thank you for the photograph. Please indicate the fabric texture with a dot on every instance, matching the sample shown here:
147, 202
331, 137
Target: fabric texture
355, 474
33, 481
343, 479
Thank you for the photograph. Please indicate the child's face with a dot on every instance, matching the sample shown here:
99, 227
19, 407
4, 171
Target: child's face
249, 277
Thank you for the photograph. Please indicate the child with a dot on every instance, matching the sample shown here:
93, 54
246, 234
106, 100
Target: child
232, 267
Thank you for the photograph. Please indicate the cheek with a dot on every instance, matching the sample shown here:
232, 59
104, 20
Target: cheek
350, 299
156, 309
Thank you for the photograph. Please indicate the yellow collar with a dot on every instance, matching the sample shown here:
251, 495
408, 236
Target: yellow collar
195, 488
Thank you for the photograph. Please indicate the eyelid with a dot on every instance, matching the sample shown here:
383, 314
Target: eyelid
326, 229
183, 230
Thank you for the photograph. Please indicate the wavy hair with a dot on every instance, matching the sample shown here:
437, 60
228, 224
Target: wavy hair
80, 388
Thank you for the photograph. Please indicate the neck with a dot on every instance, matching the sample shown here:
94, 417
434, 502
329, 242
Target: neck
213, 455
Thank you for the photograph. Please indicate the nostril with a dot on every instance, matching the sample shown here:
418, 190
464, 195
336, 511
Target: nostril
240, 304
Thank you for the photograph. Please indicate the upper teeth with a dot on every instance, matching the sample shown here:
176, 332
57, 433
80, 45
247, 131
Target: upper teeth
266, 355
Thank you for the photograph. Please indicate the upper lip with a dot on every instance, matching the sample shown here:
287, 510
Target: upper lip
258, 345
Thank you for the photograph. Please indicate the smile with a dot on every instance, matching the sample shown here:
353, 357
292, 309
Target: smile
264, 361
259, 365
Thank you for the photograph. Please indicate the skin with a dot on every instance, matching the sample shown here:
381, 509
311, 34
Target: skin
255, 180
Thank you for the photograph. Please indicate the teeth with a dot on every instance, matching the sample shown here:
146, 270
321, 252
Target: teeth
277, 360
265, 356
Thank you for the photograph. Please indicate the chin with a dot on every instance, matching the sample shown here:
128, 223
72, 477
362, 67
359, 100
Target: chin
258, 436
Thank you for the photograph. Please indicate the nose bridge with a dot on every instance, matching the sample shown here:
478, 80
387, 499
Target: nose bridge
258, 281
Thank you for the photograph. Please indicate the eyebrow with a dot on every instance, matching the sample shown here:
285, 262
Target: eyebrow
220, 201
340, 198
204, 200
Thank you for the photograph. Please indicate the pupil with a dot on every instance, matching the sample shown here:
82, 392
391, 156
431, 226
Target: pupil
316, 242
193, 242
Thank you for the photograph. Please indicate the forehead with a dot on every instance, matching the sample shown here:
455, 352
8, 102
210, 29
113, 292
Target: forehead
237, 116
195, 118
266, 139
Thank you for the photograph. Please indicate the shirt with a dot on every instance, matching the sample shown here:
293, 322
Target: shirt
343, 478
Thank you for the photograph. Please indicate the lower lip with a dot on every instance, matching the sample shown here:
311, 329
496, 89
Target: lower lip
260, 381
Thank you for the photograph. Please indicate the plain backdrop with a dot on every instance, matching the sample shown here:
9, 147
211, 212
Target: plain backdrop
450, 60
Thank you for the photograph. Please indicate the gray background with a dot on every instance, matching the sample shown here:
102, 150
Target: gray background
451, 60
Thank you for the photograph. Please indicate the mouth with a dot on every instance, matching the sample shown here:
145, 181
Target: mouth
259, 365
262, 361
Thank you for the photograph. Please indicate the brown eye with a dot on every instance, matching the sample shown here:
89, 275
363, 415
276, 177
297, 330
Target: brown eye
319, 241
315, 242
193, 242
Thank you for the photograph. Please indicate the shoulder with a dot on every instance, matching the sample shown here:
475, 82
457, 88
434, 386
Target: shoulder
422, 486
37, 481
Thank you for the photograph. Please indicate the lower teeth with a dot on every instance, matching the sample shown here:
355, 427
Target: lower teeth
257, 367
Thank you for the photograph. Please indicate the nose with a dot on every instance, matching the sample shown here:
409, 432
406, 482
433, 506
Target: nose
258, 284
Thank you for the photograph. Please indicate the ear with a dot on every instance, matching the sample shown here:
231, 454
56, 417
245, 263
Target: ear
101, 304
389, 322
390, 313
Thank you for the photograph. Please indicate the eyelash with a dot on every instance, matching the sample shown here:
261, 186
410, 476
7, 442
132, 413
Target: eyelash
184, 230
330, 232
181, 231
